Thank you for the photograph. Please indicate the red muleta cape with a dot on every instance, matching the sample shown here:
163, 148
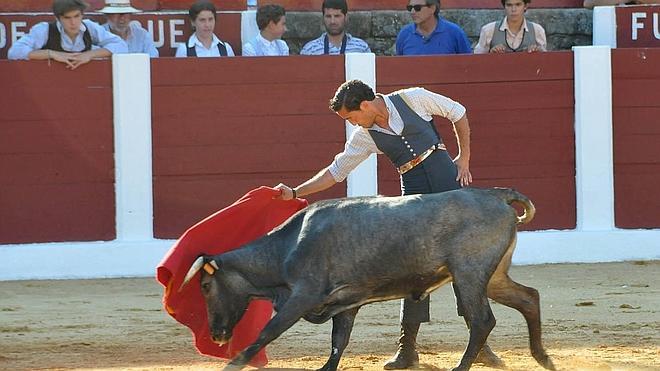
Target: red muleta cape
249, 218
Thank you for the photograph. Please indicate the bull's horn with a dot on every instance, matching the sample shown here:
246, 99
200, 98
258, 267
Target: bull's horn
194, 268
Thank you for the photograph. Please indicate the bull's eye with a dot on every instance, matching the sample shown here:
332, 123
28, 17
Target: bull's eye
206, 286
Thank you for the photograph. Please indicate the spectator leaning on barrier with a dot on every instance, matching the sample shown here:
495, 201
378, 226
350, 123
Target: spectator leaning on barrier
590, 4
271, 20
118, 13
69, 39
203, 42
335, 39
514, 33
429, 33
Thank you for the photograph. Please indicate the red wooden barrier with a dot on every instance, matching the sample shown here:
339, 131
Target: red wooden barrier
521, 112
56, 153
224, 126
636, 120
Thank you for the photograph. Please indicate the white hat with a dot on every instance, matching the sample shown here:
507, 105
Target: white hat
118, 7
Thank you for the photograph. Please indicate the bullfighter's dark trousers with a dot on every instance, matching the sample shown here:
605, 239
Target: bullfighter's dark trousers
435, 174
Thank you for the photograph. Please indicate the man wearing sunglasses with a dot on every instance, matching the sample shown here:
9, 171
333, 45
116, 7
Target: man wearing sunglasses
514, 33
429, 33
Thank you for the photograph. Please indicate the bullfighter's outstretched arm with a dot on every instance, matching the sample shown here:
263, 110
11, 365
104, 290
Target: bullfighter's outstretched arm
319, 182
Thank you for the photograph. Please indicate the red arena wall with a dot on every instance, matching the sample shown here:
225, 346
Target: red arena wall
521, 111
56, 153
224, 126
636, 121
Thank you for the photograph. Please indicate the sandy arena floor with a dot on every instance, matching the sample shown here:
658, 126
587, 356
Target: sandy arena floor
595, 317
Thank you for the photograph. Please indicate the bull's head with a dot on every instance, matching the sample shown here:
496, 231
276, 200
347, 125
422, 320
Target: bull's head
224, 293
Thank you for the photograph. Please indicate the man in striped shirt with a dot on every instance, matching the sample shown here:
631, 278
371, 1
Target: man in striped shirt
400, 125
335, 40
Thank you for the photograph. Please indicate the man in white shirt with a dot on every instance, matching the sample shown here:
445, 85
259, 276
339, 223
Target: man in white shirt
514, 33
70, 39
271, 20
118, 13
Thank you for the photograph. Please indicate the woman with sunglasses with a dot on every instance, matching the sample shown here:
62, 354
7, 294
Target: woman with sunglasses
429, 33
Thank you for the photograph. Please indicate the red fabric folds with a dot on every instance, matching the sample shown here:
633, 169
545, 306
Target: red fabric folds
249, 218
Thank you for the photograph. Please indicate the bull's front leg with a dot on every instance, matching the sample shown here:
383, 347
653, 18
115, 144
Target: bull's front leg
342, 325
288, 315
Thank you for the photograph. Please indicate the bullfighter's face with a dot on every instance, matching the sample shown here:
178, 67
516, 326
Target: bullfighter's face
224, 306
361, 117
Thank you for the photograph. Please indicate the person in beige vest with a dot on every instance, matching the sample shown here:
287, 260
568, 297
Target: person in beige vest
514, 33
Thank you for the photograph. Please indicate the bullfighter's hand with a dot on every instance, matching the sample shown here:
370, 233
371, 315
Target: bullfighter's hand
498, 49
286, 192
464, 176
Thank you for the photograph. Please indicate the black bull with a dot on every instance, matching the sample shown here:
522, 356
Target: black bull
335, 256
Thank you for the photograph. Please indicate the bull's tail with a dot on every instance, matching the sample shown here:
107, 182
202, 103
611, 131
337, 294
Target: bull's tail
510, 196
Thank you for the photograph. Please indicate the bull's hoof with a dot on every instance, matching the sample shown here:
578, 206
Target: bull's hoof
546, 362
403, 359
487, 358
232, 367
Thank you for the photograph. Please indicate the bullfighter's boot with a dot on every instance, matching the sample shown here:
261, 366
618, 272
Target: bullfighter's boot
406, 356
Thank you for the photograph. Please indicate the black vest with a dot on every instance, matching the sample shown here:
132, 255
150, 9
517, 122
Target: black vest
417, 135
55, 39
221, 48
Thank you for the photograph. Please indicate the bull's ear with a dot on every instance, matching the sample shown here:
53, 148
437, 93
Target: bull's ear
212, 266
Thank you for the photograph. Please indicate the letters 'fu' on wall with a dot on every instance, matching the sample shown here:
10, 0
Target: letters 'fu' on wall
638, 26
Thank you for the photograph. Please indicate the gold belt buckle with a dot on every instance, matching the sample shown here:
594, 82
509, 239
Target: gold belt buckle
417, 160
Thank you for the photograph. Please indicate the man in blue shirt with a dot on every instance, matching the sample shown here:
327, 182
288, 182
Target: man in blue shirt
430, 34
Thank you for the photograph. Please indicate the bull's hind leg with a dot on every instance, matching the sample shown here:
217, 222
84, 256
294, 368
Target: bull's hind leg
470, 288
525, 300
342, 325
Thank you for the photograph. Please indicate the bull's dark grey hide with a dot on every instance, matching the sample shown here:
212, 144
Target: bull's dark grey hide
335, 256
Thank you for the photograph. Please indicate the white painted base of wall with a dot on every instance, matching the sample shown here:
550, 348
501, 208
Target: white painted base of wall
140, 258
